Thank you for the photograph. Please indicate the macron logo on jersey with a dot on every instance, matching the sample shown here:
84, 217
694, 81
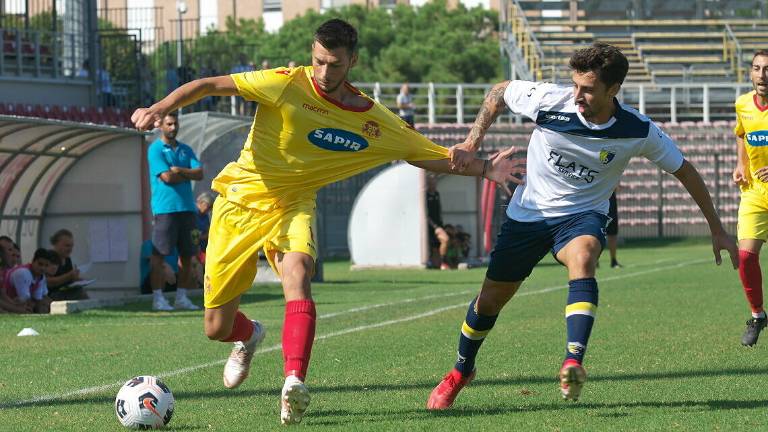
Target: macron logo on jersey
337, 140
558, 117
757, 138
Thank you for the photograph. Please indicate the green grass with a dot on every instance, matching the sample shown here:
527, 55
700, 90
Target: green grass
664, 355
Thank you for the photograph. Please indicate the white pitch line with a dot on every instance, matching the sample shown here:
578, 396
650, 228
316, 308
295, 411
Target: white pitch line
182, 371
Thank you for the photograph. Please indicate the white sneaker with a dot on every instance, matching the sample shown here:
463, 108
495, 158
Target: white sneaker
239, 362
185, 303
294, 400
159, 303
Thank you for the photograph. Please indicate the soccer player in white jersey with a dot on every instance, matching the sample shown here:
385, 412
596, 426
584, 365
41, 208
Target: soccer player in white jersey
580, 146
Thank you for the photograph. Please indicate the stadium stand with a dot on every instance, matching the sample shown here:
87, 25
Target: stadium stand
93, 115
661, 45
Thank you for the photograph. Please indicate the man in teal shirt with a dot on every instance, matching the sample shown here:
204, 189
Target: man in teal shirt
172, 167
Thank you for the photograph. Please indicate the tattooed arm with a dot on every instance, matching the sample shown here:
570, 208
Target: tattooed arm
493, 105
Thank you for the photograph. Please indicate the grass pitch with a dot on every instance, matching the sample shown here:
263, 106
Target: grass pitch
664, 355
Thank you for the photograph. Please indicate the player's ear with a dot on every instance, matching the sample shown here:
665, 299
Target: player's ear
353, 60
614, 90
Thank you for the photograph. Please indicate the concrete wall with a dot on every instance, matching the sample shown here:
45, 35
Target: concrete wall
103, 185
43, 91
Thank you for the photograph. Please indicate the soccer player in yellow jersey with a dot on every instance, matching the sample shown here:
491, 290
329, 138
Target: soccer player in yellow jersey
751, 174
312, 128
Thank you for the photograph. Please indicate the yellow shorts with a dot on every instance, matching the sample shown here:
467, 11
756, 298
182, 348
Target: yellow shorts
237, 234
753, 215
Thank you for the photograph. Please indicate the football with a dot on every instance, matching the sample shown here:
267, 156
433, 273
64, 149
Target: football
144, 402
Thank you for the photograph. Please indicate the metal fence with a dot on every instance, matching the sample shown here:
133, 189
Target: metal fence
440, 103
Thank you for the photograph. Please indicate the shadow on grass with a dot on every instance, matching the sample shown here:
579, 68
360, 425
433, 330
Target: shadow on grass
328, 417
146, 306
365, 283
664, 242
426, 386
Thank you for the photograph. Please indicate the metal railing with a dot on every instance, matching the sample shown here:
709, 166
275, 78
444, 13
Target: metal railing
438, 103
732, 48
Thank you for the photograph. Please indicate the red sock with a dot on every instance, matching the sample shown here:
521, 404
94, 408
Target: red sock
569, 362
751, 279
242, 329
298, 335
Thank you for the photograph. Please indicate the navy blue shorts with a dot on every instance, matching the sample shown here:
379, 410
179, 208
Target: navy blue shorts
171, 230
521, 245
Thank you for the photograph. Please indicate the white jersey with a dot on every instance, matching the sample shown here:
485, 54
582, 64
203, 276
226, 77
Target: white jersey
574, 165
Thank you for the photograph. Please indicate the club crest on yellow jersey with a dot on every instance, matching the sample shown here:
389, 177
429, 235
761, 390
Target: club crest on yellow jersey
372, 129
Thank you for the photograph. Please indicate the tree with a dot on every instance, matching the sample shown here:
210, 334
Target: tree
429, 43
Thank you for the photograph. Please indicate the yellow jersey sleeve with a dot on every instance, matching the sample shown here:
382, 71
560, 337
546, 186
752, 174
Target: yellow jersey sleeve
739, 129
422, 148
263, 86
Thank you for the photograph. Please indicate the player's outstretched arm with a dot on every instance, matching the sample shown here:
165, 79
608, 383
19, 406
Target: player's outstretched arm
690, 178
499, 168
493, 105
150, 118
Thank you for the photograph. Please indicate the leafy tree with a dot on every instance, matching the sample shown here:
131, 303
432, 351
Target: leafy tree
429, 43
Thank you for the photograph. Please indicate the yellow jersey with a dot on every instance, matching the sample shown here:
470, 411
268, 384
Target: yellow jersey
752, 127
301, 140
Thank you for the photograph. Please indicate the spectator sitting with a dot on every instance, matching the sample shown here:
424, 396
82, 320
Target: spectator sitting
59, 287
26, 284
170, 268
453, 252
204, 203
15, 257
463, 240
6, 249
6, 304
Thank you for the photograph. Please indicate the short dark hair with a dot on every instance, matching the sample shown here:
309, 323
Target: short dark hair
174, 114
6, 238
48, 255
606, 61
337, 33
761, 52
59, 234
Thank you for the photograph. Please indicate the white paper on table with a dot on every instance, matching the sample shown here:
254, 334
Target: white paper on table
82, 283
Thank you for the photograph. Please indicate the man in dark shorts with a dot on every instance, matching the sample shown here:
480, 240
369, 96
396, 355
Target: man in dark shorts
438, 238
172, 167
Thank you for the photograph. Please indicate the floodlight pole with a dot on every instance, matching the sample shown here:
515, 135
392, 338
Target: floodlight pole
181, 7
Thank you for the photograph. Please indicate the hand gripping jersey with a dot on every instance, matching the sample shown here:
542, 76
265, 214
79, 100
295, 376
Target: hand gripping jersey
752, 127
301, 140
574, 165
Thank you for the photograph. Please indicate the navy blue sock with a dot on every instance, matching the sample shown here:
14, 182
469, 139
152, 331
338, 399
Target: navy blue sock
473, 331
579, 316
